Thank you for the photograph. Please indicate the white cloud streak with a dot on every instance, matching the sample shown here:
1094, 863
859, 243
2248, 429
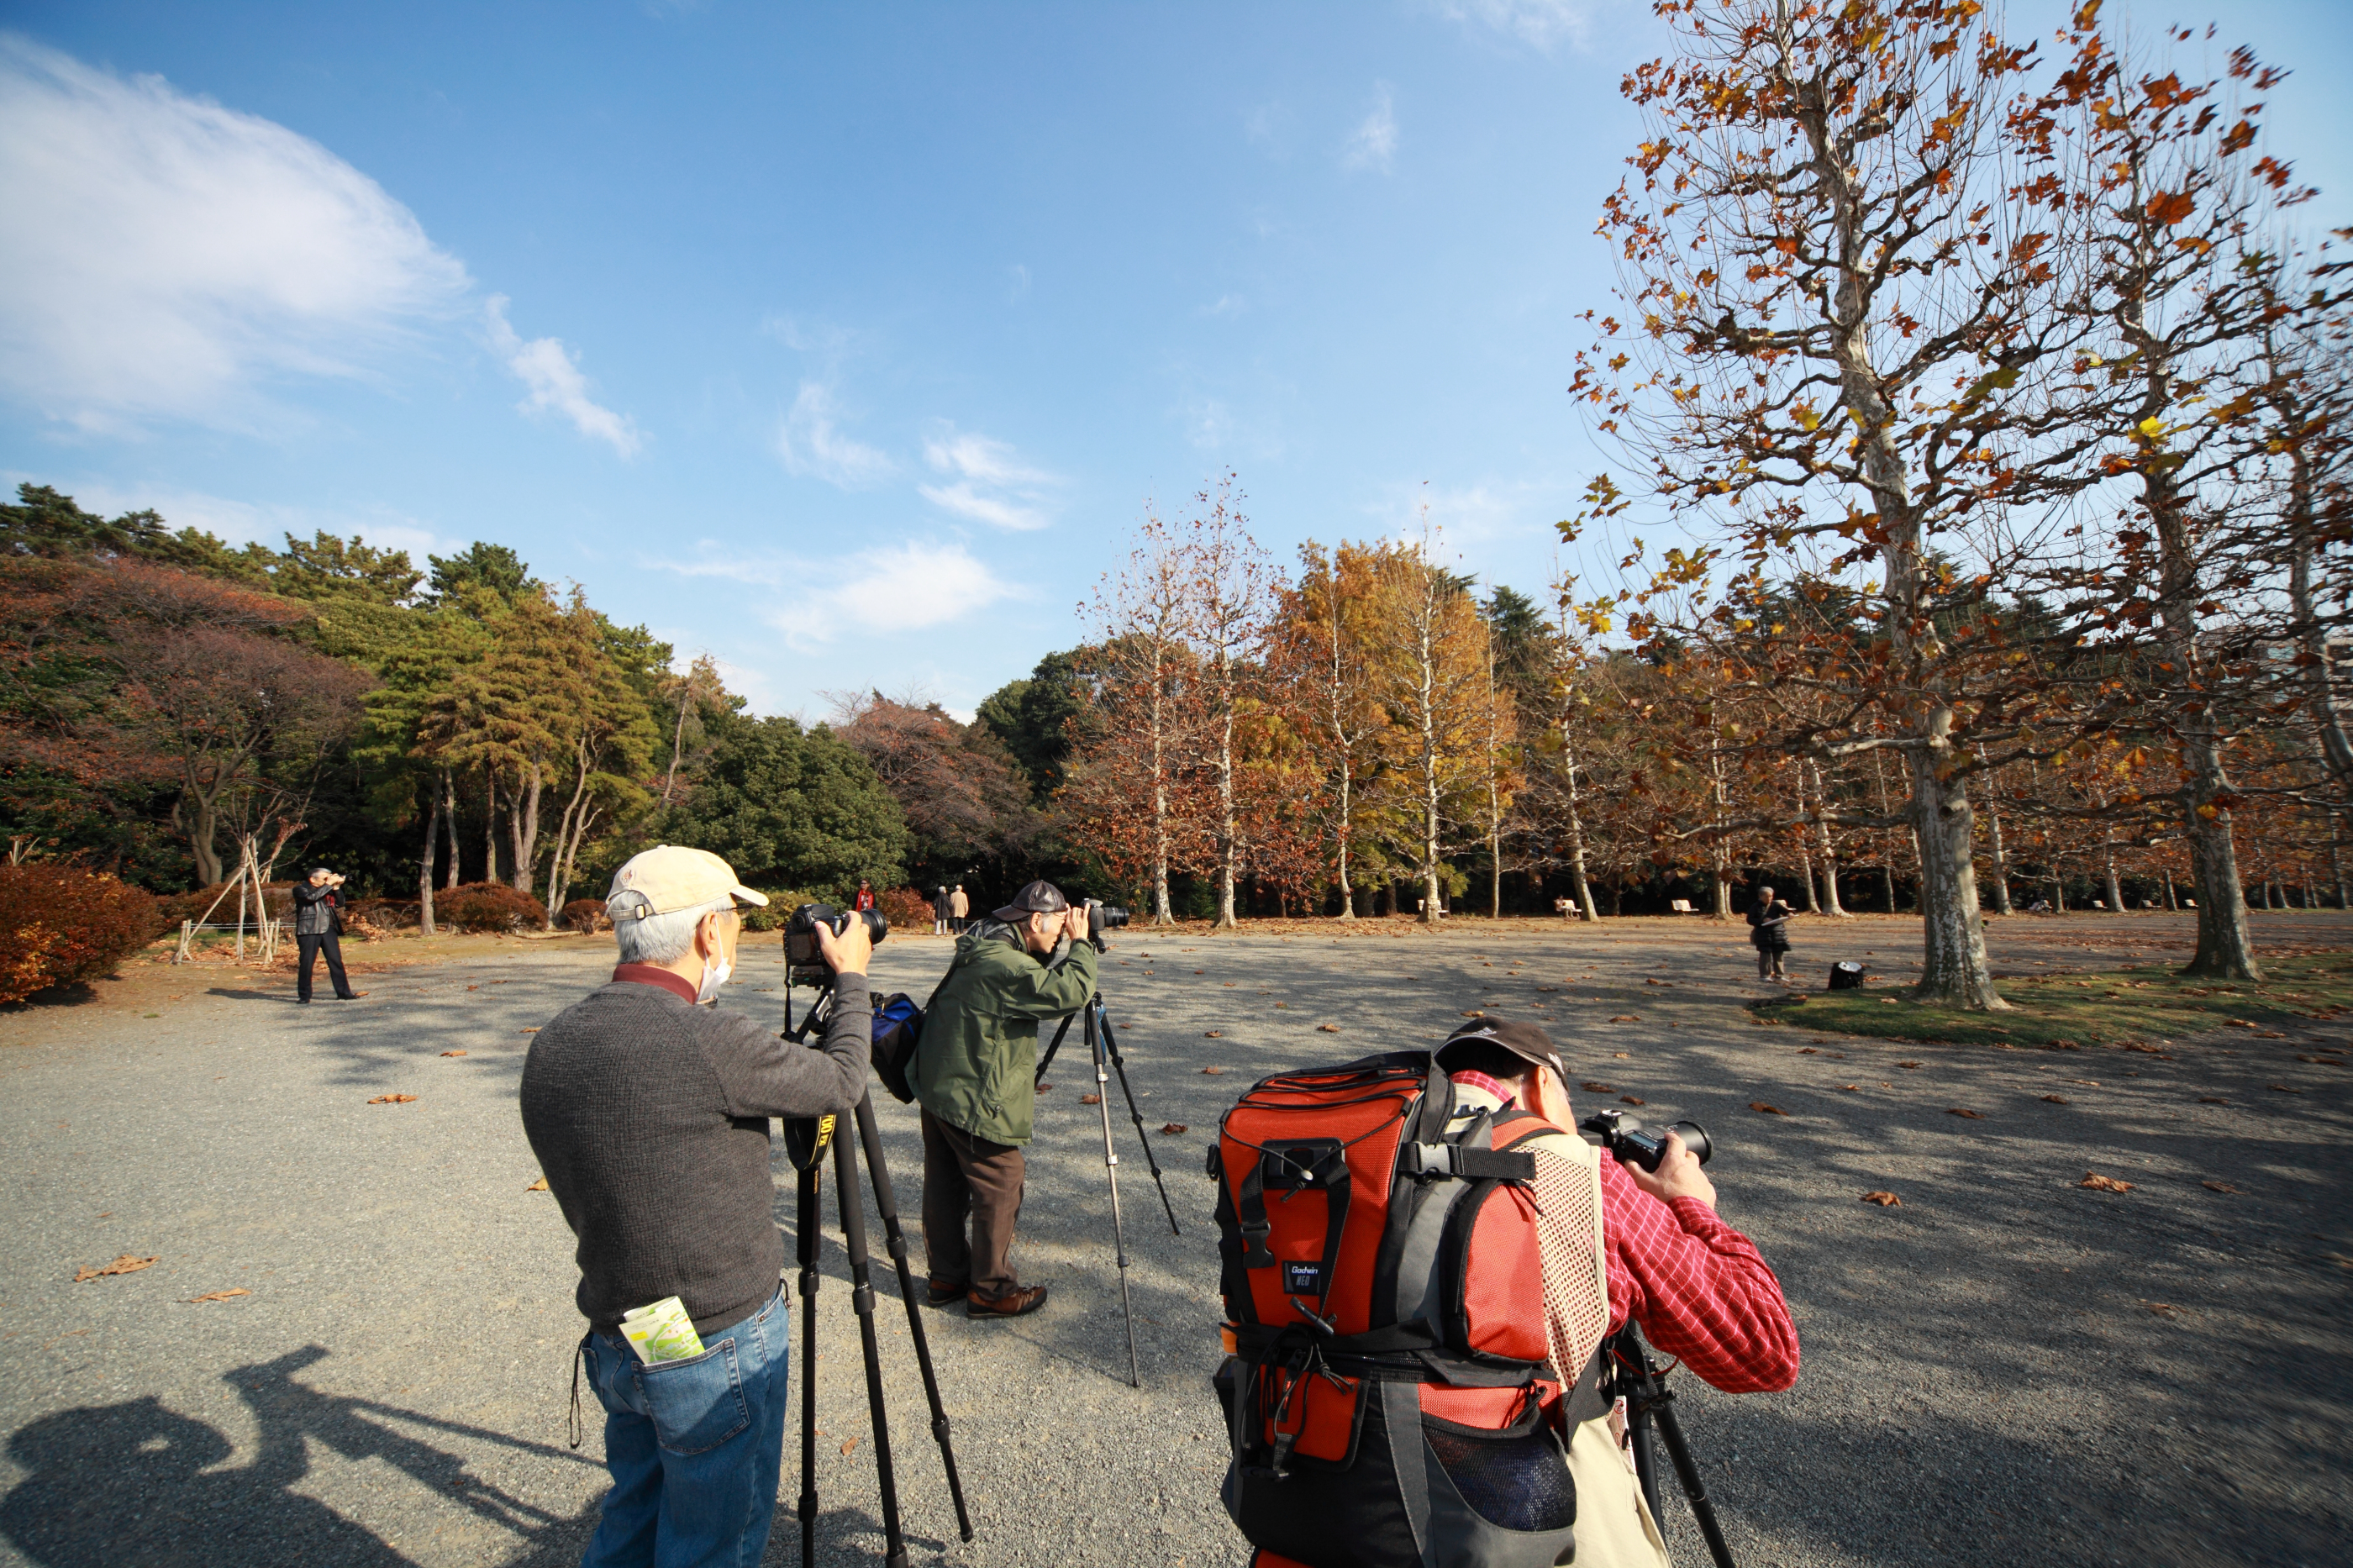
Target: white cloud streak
263, 523
1539, 23
547, 367
1373, 145
164, 255
910, 586
810, 444
987, 482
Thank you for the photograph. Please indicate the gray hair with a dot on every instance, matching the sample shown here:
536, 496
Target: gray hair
665, 939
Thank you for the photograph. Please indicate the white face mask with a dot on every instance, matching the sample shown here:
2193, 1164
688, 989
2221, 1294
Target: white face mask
714, 975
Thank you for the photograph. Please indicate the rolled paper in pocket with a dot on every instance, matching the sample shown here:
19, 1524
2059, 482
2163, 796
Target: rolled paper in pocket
661, 1332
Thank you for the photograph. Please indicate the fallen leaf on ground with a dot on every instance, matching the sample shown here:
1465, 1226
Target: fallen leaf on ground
1762, 1108
1596, 1089
1213, 1071
1885, 1200
1171, 1128
1328, 1029
1851, 1088
530, 1031
1091, 1100
453, 1053
2057, 1099
2165, 1308
1473, 1013
2211, 1099
2239, 1023
538, 1186
473, 988
2322, 1061
217, 1296
392, 1099
2282, 1088
1808, 1051
2218, 1187
2098, 1182
1626, 1018
1211, 1035
1631, 1099
1972, 1115
1044, 1087
1907, 1064
852, 1444
126, 1264
1623, 1056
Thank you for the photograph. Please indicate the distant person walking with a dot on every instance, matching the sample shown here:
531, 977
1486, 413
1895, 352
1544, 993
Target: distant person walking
318, 927
959, 910
1768, 929
865, 899
940, 912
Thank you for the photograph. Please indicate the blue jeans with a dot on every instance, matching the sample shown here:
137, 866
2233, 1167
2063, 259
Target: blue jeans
693, 1446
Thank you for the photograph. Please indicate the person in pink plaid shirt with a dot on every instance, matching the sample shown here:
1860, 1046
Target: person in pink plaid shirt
1700, 1289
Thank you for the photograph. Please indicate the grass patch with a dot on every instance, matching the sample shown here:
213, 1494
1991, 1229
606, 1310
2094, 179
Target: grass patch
2140, 1004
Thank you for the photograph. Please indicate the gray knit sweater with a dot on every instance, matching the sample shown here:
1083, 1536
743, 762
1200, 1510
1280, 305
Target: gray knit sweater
649, 1117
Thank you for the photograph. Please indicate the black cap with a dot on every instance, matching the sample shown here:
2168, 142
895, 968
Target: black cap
1522, 1040
1037, 899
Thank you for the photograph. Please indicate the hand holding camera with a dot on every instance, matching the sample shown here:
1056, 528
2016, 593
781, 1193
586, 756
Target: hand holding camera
847, 952
821, 941
1665, 1162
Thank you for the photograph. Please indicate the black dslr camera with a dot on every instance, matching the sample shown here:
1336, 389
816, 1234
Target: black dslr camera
803, 960
1102, 917
1626, 1139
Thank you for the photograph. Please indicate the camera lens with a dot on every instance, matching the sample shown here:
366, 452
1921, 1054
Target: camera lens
1694, 1139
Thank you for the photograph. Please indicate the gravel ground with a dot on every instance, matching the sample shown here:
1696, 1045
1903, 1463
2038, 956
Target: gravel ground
2005, 1369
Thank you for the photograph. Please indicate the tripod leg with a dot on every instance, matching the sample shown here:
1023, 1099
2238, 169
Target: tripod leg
1702, 1510
809, 1219
862, 1298
1047, 1060
1111, 1168
1119, 1066
895, 1239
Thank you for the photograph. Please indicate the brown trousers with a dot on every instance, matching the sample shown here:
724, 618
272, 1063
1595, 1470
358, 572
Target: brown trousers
968, 1177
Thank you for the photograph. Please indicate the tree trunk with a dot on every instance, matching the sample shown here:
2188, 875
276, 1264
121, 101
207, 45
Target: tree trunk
1347, 889
2115, 889
1586, 909
204, 836
2000, 860
522, 829
1161, 913
677, 740
489, 825
2337, 860
2170, 905
1723, 849
1830, 905
1953, 971
425, 863
1806, 874
1229, 840
450, 879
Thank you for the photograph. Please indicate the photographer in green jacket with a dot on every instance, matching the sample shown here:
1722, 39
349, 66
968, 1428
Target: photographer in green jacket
974, 1078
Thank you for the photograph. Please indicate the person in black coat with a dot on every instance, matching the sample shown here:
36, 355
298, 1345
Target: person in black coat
1768, 929
318, 927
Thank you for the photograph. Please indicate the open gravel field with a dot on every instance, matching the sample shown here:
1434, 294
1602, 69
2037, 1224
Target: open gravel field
2009, 1368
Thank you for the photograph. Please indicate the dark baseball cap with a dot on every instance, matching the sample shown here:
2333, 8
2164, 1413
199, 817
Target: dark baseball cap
1522, 1040
1037, 899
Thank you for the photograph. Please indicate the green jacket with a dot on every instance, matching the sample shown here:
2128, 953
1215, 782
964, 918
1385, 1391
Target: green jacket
980, 1054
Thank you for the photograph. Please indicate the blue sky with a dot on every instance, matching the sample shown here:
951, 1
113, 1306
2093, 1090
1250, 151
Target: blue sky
845, 344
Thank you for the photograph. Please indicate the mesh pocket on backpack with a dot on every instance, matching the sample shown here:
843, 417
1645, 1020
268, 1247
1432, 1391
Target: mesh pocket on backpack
1518, 1483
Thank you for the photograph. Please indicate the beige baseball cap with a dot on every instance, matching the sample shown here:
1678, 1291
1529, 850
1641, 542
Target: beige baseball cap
671, 877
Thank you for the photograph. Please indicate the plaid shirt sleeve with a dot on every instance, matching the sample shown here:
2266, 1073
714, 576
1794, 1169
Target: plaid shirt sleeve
1699, 1289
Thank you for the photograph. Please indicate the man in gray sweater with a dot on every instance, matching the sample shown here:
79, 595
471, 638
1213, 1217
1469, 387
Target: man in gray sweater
650, 1114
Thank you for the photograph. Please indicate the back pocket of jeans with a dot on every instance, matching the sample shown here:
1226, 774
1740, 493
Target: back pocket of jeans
696, 1405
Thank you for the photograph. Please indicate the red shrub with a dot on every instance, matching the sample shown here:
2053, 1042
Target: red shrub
60, 924
585, 916
489, 907
905, 907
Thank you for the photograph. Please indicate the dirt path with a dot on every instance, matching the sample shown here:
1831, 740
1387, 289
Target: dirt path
2007, 1368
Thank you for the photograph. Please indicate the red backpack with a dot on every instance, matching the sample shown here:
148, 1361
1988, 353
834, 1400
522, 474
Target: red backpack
1386, 1393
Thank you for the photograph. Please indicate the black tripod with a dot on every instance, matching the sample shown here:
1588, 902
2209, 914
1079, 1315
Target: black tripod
805, 1144
1634, 1376
1103, 1046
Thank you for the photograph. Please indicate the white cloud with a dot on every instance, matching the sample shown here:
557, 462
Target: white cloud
547, 368
987, 482
1471, 515
1226, 305
911, 587
1540, 24
1373, 145
810, 444
165, 255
